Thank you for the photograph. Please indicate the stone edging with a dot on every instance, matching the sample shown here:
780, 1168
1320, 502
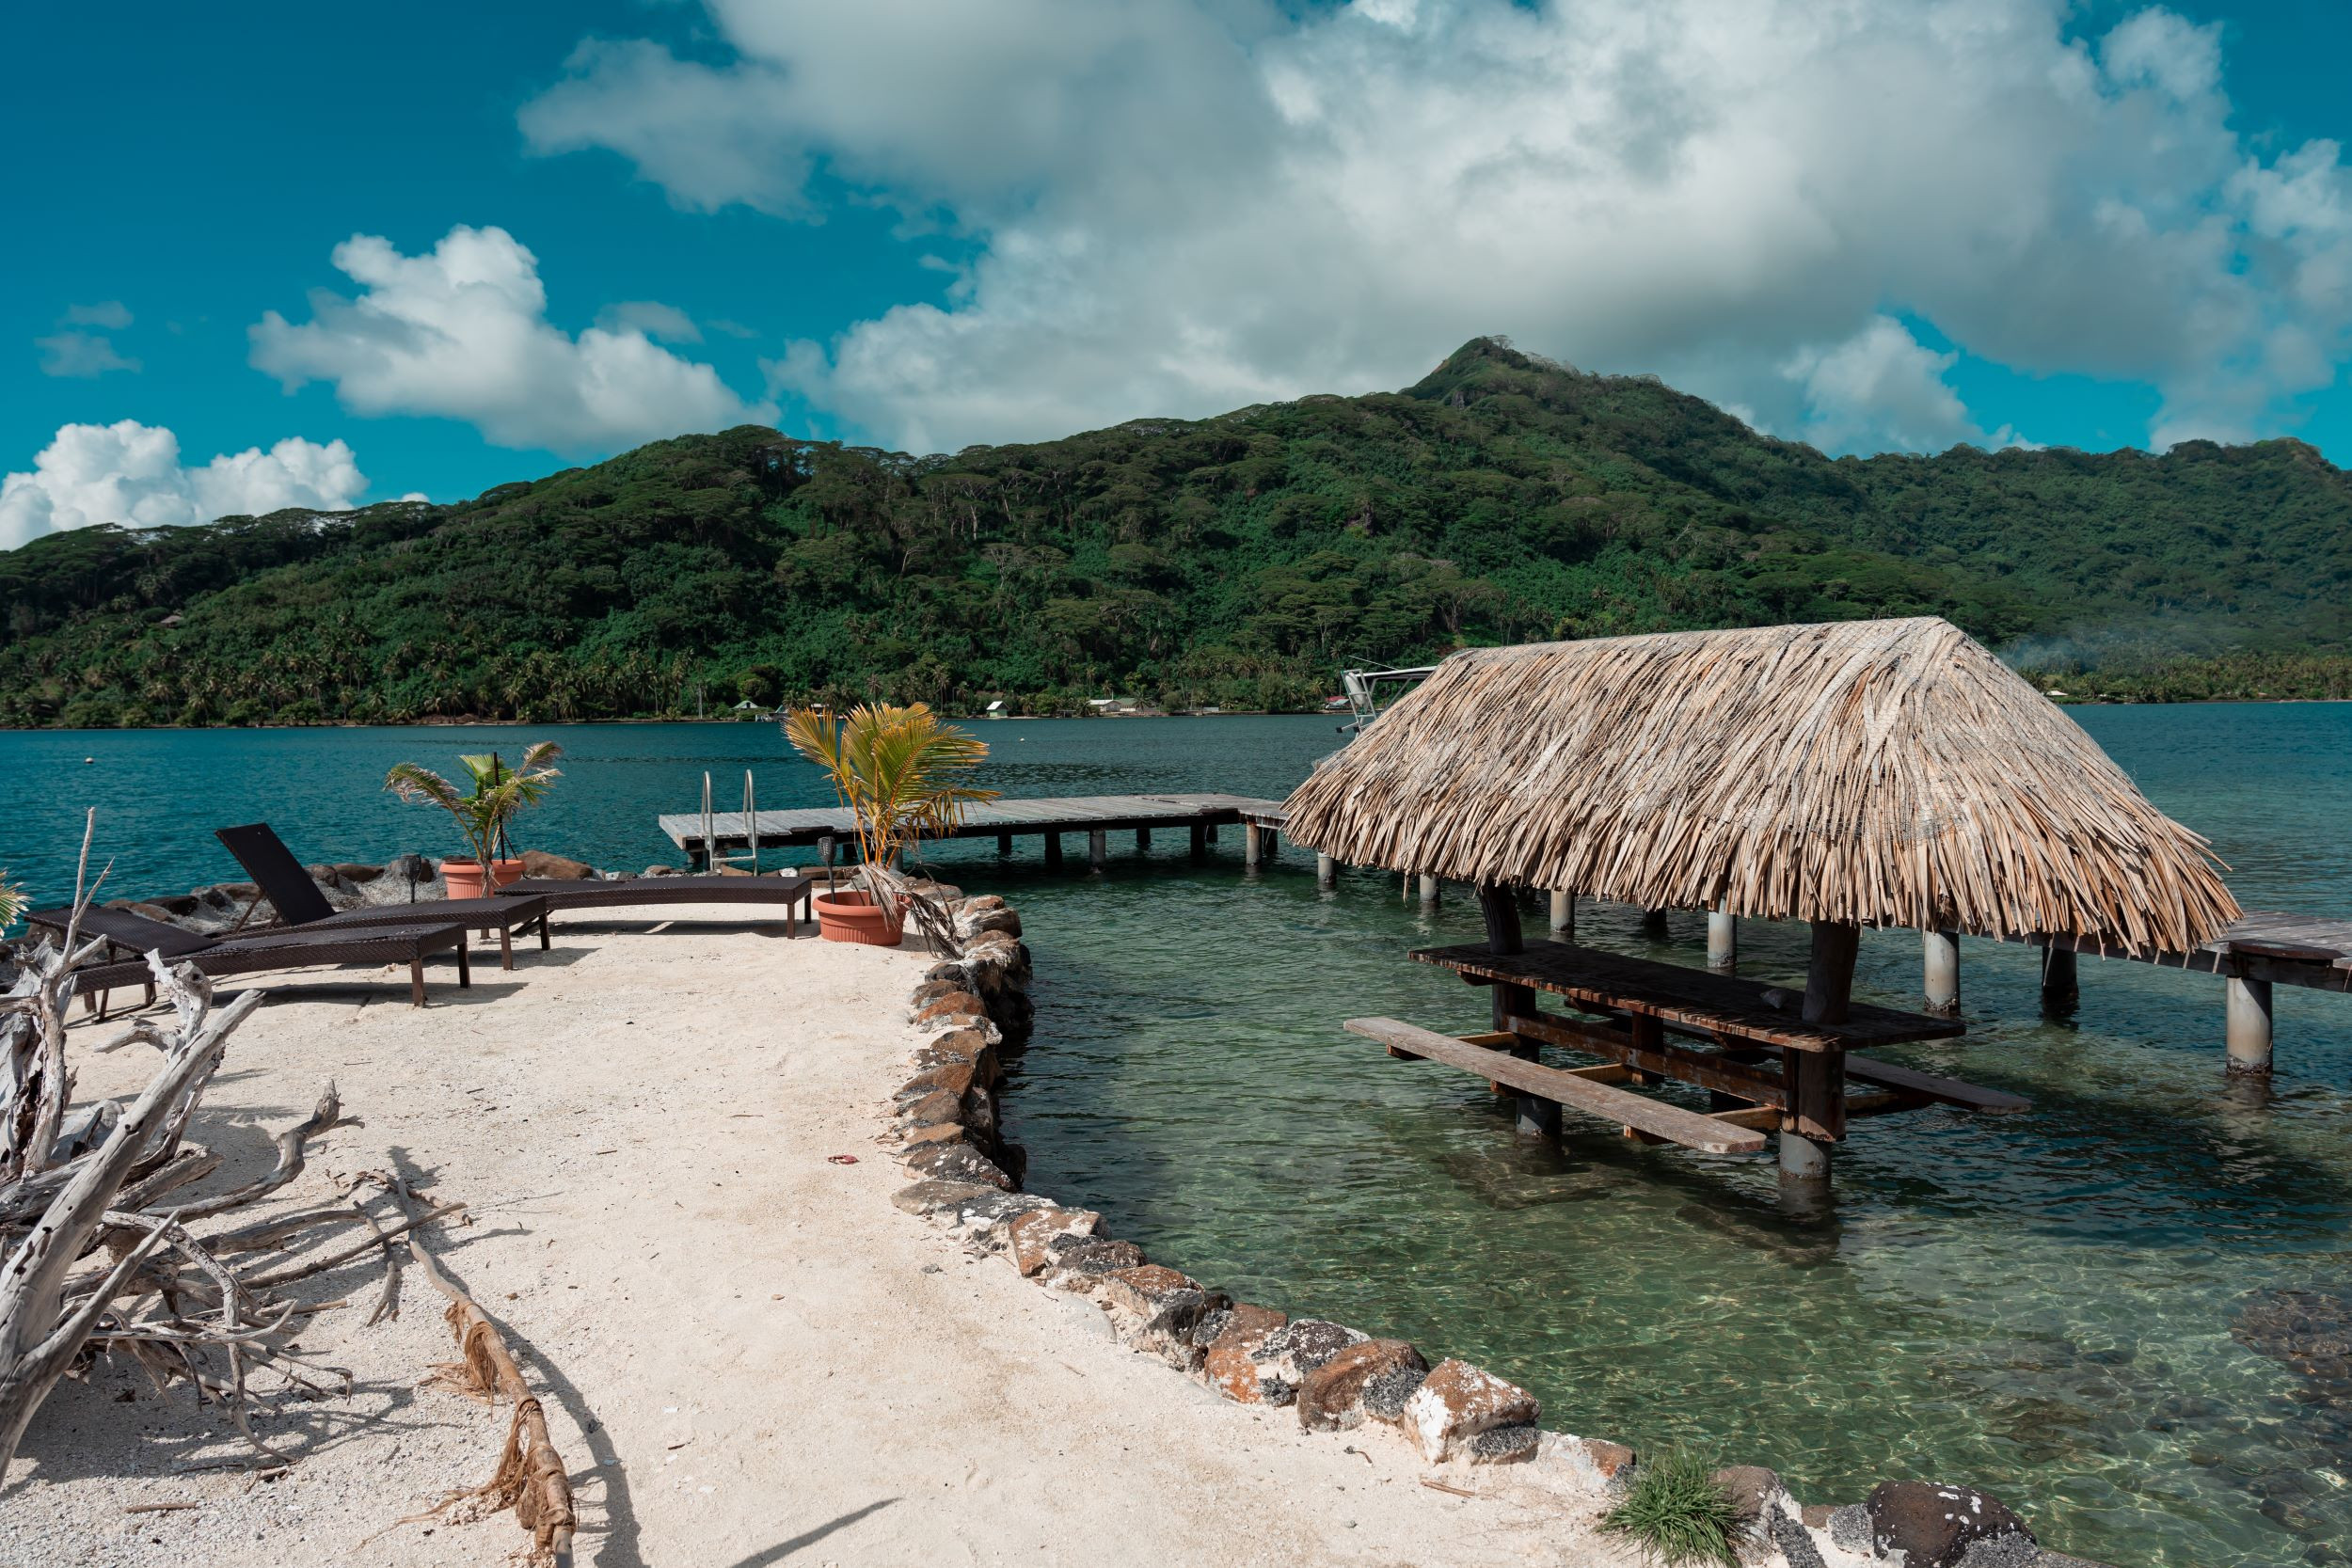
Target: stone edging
1337, 1378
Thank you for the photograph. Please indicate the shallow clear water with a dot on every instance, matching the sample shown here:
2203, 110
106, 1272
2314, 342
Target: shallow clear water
2041, 1305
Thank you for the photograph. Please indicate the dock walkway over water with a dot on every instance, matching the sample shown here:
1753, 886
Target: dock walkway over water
1049, 817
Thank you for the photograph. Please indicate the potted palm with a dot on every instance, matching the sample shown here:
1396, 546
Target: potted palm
900, 771
496, 793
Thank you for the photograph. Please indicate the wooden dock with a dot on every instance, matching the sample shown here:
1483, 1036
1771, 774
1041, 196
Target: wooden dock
1096, 815
2269, 945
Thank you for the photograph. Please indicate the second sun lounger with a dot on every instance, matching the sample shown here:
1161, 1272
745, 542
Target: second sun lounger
267, 950
625, 892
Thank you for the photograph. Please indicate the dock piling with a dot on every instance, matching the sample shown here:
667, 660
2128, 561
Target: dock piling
1327, 872
1723, 941
1053, 851
1940, 956
1654, 922
1252, 846
2059, 991
1004, 847
2248, 1027
1098, 849
1200, 831
1143, 840
1564, 912
1428, 891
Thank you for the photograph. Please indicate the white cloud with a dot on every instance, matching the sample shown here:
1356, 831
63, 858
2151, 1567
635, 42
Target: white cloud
1184, 205
462, 332
80, 354
130, 474
1880, 390
666, 323
111, 314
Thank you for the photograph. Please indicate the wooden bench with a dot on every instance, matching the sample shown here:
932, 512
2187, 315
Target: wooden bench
1586, 1091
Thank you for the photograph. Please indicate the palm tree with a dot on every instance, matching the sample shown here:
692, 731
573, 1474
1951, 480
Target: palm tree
498, 793
897, 769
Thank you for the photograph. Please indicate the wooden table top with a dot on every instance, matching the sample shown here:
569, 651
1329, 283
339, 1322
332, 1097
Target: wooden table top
1723, 1008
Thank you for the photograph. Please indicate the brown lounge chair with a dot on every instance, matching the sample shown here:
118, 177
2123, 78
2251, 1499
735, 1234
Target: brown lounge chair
625, 892
255, 951
302, 907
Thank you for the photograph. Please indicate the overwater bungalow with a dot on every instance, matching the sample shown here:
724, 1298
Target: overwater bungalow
1882, 773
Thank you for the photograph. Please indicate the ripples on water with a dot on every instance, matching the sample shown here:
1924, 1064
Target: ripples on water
2041, 1304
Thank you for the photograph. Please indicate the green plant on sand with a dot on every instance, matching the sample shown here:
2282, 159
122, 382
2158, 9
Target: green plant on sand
498, 793
1676, 1513
900, 771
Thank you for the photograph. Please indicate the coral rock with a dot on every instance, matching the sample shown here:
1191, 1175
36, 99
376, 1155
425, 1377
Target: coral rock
1337, 1396
538, 863
1457, 1403
1936, 1527
956, 1162
1229, 1364
1029, 1235
1155, 1311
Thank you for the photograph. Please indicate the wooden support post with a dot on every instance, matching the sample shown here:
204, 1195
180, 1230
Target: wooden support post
1143, 840
1537, 1116
1098, 849
1053, 851
1940, 954
1816, 1079
1564, 912
1270, 842
1327, 872
1200, 831
1428, 891
1210, 833
1004, 847
2247, 1030
1252, 844
1723, 941
1654, 924
2059, 991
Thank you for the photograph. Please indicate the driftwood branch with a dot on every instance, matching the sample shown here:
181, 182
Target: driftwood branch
531, 1477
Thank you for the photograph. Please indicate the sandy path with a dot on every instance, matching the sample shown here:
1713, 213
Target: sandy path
750, 1356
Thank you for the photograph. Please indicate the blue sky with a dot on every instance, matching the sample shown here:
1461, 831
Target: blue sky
925, 223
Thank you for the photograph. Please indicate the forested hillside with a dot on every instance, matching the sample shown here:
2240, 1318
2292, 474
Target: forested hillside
1238, 560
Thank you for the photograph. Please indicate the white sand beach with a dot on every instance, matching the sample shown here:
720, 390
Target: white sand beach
749, 1355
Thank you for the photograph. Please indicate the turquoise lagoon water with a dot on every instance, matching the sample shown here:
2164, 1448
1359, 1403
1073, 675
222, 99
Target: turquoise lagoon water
2042, 1306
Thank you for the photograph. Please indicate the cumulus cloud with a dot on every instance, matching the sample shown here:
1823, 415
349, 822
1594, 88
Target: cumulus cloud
130, 474
461, 331
1182, 205
666, 323
111, 314
80, 354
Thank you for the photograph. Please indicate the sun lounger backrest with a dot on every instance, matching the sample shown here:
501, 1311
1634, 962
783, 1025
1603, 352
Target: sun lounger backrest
277, 872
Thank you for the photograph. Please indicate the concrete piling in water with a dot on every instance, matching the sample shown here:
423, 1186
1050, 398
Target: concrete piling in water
2248, 1027
1098, 849
1252, 846
1327, 872
1723, 941
1564, 912
1940, 957
1428, 891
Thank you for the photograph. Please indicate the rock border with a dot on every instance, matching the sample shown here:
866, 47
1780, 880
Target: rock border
1338, 1379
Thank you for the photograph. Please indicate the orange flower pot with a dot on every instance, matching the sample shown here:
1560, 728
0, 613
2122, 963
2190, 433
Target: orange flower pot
852, 915
462, 878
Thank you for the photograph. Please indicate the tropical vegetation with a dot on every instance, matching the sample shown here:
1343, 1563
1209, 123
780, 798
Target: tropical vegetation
1237, 562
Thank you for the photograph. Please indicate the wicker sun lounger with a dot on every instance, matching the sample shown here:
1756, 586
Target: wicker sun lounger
266, 950
303, 907
625, 892
125, 935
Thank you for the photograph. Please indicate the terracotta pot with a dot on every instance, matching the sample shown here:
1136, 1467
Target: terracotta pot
851, 915
462, 878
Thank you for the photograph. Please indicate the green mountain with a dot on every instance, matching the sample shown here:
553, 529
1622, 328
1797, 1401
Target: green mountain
1237, 560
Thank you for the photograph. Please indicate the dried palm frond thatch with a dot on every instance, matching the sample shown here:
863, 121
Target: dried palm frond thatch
1874, 772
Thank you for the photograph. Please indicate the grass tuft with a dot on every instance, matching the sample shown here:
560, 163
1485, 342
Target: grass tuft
1676, 1513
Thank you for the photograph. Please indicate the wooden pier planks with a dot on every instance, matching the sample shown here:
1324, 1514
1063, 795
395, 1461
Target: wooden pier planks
2238, 951
1696, 1002
1576, 1090
782, 830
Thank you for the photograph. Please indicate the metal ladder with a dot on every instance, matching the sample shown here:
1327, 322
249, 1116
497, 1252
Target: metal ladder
751, 830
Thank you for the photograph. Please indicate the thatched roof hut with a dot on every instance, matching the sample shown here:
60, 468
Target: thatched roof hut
1871, 772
